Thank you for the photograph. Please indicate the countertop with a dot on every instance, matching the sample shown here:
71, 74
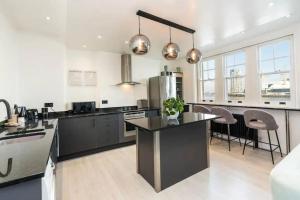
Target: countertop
249, 106
161, 122
99, 111
28, 155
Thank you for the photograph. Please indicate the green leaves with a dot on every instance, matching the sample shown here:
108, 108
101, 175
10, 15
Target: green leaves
173, 105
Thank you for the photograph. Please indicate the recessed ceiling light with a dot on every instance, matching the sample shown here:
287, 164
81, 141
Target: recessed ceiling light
126, 42
84, 46
271, 4
288, 16
99, 36
48, 18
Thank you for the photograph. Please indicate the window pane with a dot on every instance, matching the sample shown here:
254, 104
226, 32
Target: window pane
229, 59
211, 74
235, 87
240, 58
205, 75
282, 64
204, 65
235, 71
275, 85
209, 89
266, 52
282, 49
211, 64
267, 66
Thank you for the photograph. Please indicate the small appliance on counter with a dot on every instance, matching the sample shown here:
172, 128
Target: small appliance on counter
84, 107
32, 114
21, 112
142, 103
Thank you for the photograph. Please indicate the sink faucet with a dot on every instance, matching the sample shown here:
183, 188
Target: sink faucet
7, 108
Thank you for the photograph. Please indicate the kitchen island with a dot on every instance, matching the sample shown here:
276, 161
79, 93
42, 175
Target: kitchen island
169, 151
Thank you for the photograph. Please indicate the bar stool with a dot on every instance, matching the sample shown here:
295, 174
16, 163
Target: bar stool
201, 109
226, 119
261, 120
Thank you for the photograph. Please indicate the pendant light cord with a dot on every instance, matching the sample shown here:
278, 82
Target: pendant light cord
139, 25
193, 41
170, 34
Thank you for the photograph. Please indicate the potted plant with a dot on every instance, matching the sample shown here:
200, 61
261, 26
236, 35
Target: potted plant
173, 107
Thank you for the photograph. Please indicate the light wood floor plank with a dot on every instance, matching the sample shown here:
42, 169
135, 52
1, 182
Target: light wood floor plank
111, 175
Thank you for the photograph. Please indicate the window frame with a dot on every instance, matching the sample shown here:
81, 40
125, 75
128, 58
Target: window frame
278, 72
225, 77
202, 80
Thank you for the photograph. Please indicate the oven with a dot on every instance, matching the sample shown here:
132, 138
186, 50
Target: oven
129, 130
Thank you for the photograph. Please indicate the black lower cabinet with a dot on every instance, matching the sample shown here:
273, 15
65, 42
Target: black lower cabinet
107, 128
81, 134
77, 135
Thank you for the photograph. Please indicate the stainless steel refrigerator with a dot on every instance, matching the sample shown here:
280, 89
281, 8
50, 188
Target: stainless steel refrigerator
160, 89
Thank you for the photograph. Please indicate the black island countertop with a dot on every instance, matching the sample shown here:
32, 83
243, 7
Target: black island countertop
162, 122
25, 158
99, 111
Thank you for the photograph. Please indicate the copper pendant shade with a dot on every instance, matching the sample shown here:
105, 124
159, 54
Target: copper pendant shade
140, 44
193, 56
171, 50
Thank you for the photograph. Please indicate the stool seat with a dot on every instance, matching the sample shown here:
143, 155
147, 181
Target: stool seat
257, 125
224, 121
226, 118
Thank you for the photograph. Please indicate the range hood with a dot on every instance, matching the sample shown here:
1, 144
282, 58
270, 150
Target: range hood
126, 70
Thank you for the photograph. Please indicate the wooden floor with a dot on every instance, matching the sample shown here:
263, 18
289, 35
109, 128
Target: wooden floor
112, 175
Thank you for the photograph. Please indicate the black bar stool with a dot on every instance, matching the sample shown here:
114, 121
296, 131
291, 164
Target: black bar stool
226, 119
261, 120
201, 109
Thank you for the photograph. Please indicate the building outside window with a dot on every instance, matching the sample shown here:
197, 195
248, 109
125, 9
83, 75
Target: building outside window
274, 68
207, 79
235, 67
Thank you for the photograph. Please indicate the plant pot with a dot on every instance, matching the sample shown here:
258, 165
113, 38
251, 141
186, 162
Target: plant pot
175, 116
173, 122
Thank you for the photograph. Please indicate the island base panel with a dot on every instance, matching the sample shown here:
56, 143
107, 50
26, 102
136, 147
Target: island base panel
168, 156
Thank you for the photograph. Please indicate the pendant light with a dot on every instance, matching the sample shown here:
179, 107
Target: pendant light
139, 44
194, 55
171, 50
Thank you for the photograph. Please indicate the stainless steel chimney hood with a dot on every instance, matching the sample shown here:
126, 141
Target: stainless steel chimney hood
126, 70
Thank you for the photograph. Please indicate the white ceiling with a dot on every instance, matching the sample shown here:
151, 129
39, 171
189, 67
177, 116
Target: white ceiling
217, 22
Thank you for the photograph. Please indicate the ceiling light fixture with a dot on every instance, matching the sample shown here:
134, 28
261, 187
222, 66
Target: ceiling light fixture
271, 4
99, 36
194, 55
84, 46
140, 44
126, 42
171, 50
48, 18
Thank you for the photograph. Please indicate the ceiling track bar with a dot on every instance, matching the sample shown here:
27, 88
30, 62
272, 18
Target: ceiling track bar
164, 21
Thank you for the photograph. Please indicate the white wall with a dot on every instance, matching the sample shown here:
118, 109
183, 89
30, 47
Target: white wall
41, 71
8, 64
108, 68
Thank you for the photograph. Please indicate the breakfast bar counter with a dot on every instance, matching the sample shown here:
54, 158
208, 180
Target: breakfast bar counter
169, 151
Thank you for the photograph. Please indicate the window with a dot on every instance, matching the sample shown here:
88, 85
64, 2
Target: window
208, 79
235, 75
274, 69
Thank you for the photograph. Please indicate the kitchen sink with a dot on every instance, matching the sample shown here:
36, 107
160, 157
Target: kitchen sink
22, 135
25, 131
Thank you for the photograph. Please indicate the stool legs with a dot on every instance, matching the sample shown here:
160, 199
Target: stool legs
247, 135
278, 142
270, 147
228, 135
